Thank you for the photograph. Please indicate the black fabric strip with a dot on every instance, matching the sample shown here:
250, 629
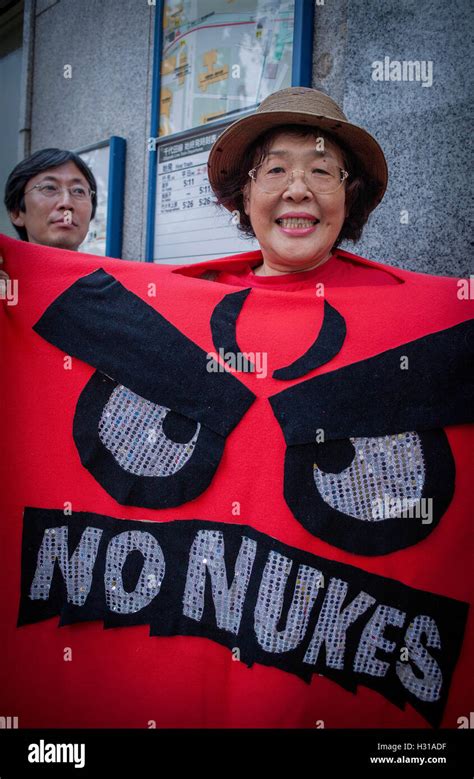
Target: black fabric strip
328, 343
164, 609
102, 323
378, 396
224, 324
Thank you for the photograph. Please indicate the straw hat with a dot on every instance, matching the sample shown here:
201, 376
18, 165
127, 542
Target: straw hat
297, 105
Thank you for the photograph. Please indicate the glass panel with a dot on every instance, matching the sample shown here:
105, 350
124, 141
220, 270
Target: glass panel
219, 59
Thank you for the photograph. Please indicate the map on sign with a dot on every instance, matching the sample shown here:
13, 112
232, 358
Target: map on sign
215, 63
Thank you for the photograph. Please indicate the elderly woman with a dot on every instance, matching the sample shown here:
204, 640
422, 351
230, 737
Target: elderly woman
301, 179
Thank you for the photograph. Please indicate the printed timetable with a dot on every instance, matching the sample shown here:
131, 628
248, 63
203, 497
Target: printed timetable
189, 227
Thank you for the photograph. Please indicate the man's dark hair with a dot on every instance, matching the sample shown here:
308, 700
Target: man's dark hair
360, 189
31, 166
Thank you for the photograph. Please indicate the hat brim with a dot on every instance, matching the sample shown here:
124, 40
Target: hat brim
229, 148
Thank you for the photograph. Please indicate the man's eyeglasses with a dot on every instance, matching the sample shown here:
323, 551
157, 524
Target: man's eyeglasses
323, 177
77, 192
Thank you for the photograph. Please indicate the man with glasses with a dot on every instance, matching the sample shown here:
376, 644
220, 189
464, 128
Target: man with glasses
51, 197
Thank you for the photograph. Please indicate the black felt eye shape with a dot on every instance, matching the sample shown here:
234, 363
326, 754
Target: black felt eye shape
151, 424
384, 476
142, 453
178, 428
371, 496
334, 456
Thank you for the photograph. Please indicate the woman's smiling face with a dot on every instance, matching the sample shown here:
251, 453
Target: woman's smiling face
284, 248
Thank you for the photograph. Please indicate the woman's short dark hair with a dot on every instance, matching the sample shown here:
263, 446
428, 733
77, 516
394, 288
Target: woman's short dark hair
31, 166
360, 189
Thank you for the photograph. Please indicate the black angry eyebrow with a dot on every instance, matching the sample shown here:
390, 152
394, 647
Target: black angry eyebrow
377, 396
102, 323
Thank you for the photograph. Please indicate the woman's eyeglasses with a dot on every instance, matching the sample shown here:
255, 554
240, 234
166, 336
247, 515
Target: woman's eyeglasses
322, 178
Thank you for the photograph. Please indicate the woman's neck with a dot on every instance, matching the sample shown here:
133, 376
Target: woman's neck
267, 270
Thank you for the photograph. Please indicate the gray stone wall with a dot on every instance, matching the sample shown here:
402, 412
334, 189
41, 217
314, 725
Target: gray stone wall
423, 222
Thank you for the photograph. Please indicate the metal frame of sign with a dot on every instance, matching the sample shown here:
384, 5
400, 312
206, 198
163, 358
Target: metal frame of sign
301, 75
115, 192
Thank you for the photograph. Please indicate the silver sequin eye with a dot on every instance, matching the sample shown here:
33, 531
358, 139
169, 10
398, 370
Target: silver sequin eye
388, 470
137, 433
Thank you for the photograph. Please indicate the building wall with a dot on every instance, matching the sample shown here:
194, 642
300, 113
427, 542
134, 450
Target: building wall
109, 46
423, 131
11, 36
422, 223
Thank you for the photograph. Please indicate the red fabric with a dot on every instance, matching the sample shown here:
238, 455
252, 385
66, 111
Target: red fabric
339, 271
122, 677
